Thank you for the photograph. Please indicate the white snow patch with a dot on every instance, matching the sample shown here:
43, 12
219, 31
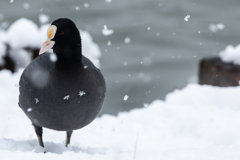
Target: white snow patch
37, 100
85, 67
231, 54
11, 1
197, 122
81, 93
108, 1
66, 97
125, 97
106, 31
127, 40
186, 18
149, 28
43, 18
216, 27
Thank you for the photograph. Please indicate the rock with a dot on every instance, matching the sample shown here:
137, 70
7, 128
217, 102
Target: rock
213, 71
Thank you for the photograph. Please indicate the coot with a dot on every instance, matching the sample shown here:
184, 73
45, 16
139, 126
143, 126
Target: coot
63, 90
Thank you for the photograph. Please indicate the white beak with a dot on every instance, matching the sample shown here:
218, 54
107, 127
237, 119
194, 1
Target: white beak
48, 44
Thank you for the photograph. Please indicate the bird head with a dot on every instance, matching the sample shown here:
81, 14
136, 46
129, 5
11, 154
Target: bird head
62, 35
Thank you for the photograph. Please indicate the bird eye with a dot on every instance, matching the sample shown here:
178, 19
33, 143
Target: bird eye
62, 33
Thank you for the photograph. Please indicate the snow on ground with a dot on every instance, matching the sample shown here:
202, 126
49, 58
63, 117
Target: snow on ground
197, 122
25, 33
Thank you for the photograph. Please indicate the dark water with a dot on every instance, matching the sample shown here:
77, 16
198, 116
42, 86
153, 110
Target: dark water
164, 51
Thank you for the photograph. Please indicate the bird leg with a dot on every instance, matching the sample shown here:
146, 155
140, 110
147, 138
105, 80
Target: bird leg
39, 132
69, 134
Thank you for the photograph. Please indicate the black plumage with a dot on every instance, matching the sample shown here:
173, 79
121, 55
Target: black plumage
66, 94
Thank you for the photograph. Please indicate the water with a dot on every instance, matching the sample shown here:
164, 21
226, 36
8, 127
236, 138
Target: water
164, 50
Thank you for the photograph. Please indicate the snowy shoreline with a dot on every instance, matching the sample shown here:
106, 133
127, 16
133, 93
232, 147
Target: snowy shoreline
197, 122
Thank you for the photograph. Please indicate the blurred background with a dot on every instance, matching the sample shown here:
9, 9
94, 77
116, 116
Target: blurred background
156, 45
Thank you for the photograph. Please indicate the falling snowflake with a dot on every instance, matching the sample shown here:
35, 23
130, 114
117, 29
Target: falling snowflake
81, 93
125, 97
216, 27
76, 8
66, 97
127, 40
36, 99
86, 5
53, 57
186, 18
26, 5
29, 109
106, 31
43, 18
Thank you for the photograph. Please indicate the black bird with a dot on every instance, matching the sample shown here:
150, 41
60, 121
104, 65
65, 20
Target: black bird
63, 90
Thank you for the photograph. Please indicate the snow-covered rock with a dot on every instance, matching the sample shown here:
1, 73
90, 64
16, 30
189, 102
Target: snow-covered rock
197, 122
231, 54
23, 33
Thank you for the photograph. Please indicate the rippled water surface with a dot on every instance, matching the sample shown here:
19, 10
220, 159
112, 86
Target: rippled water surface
164, 49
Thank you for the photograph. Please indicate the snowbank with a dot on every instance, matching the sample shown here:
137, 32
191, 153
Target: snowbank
25, 33
197, 122
231, 54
